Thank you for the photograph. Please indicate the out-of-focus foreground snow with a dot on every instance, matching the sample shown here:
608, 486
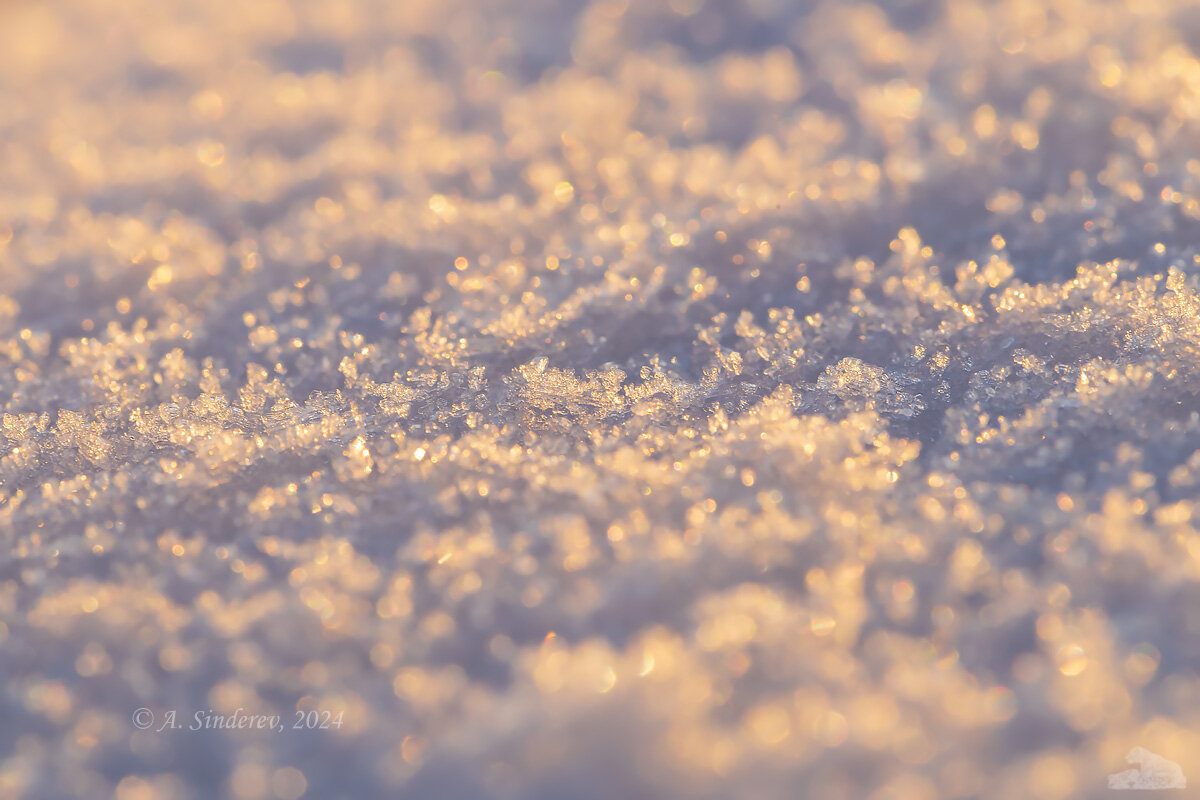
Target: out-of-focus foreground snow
730, 399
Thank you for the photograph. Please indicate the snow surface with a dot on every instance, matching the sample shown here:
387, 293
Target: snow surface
730, 399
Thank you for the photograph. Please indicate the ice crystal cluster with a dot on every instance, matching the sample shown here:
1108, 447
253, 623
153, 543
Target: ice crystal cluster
645, 399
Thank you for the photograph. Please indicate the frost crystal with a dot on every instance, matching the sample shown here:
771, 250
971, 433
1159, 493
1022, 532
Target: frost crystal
658, 399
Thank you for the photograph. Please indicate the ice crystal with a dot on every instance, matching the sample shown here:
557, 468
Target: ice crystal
656, 399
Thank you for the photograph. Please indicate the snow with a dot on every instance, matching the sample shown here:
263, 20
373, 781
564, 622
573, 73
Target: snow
657, 399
